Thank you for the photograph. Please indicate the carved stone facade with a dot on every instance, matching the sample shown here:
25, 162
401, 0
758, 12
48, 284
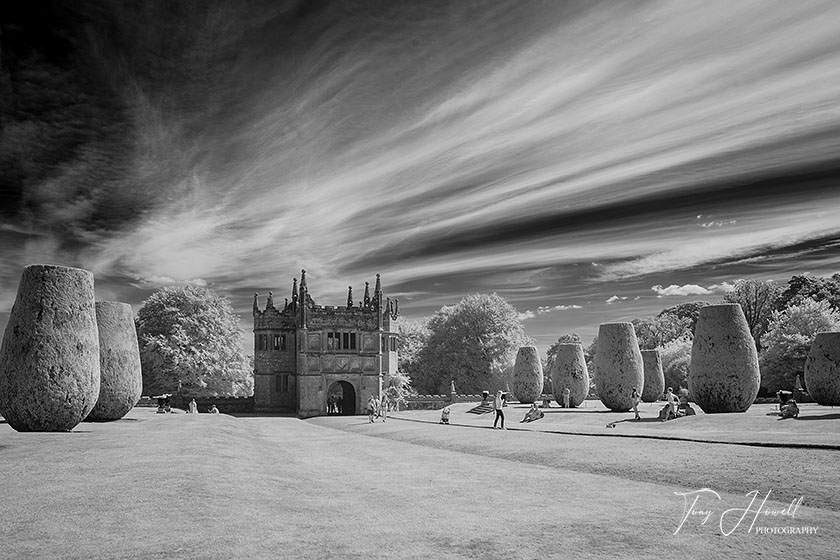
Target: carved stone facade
304, 353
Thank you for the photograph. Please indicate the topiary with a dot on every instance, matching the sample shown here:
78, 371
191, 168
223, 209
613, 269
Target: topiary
121, 379
49, 360
724, 375
527, 375
618, 365
654, 376
822, 369
570, 371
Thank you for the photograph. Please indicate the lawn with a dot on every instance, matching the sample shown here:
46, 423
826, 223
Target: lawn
197, 486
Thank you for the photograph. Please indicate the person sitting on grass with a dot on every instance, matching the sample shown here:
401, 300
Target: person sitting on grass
790, 409
214, 410
534, 413
444, 415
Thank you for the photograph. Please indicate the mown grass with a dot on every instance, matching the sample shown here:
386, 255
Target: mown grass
182, 486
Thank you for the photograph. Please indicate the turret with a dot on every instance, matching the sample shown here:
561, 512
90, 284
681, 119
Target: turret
256, 306
270, 303
349, 297
366, 301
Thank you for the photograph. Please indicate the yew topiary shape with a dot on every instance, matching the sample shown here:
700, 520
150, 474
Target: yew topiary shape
654, 376
618, 366
121, 379
527, 375
723, 375
822, 369
49, 360
570, 371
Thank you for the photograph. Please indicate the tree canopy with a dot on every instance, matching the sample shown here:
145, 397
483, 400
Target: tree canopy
758, 301
473, 343
788, 340
805, 286
190, 342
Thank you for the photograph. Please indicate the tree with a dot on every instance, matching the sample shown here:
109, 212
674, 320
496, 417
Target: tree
473, 343
655, 332
817, 288
690, 310
551, 353
414, 335
589, 355
676, 360
190, 342
788, 340
758, 300
396, 387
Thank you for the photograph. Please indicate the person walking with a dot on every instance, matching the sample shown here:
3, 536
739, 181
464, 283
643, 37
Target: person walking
497, 406
383, 408
637, 398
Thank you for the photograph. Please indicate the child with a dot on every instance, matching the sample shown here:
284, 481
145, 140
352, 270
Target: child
444, 415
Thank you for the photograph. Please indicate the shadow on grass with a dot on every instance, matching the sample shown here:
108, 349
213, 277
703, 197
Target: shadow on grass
635, 421
579, 410
834, 416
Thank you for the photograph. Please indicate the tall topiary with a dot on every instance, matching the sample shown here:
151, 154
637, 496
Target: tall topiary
49, 360
724, 375
822, 369
570, 371
618, 366
121, 379
654, 376
527, 375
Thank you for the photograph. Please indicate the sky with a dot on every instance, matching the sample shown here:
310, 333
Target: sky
591, 162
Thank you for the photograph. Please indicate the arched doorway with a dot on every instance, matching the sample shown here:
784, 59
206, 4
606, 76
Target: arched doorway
345, 391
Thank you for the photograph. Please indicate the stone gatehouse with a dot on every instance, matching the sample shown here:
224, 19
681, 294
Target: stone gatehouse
304, 353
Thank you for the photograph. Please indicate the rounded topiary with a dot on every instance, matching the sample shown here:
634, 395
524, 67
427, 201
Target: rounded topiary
527, 375
723, 375
49, 360
570, 371
654, 377
121, 380
618, 365
822, 369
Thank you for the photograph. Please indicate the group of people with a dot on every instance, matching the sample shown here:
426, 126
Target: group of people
377, 409
335, 404
787, 405
193, 408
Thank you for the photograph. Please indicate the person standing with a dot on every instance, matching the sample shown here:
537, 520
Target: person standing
371, 407
339, 405
672, 401
383, 408
193, 407
497, 406
567, 395
637, 398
